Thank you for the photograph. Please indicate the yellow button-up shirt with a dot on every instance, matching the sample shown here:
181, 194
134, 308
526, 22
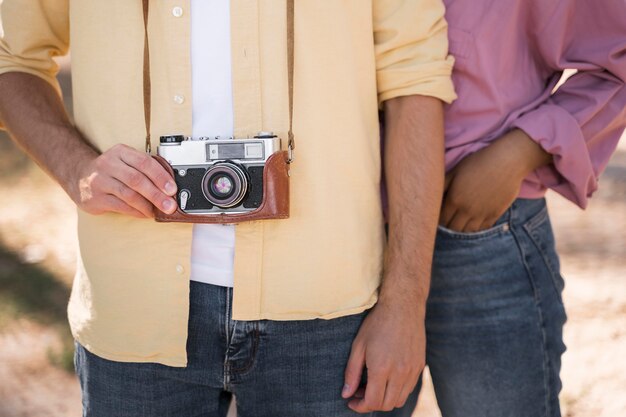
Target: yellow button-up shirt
130, 296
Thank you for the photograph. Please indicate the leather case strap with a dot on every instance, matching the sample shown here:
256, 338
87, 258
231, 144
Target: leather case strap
291, 144
147, 87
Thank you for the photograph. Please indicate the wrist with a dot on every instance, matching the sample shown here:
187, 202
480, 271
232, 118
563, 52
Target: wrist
410, 299
408, 309
526, 151
77, 169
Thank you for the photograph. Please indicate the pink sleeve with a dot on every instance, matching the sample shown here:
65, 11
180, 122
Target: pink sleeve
581, 124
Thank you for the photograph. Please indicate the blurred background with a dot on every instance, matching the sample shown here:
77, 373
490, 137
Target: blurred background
38, 254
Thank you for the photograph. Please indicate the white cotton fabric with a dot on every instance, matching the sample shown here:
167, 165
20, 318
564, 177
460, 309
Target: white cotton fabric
213, 246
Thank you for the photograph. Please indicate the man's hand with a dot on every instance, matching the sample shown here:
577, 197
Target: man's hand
393, 351
391, 340
123, 180
484, 185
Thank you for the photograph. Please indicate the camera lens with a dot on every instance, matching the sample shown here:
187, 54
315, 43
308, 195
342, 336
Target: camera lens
225, 185
221, 185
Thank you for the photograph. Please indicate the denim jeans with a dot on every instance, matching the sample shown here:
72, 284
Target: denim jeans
495, 318
273, 368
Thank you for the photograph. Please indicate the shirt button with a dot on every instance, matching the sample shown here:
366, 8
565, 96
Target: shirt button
180, 269
178, 99
177, 11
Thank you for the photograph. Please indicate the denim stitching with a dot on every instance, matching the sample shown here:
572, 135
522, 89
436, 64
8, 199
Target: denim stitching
531, 227
255, 346
501, 228
546, 359
226, 379
536, 219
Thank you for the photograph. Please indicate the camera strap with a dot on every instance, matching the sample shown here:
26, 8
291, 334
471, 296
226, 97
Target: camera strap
147, 91
291, 144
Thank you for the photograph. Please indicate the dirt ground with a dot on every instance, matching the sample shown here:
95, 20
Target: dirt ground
37, 239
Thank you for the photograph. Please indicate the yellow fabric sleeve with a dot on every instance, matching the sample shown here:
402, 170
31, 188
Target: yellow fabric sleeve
411, 45
31, 35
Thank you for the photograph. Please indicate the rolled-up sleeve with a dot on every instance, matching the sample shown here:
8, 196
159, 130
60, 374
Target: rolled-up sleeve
411, 44
581, 124
31, 34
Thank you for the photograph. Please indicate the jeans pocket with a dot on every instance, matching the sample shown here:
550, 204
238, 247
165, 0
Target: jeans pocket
482, 234
540, 232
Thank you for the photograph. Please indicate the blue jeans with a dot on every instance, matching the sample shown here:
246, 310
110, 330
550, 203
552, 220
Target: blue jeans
274, 369
495, 318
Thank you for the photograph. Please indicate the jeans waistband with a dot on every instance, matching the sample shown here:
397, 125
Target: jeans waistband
522, 210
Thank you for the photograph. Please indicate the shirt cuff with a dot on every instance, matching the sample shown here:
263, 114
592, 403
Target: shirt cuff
433, 80
571, 174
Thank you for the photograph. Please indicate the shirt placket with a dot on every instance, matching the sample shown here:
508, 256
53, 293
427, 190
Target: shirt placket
248, 116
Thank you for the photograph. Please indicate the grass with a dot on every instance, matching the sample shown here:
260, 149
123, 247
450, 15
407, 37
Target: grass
32, 293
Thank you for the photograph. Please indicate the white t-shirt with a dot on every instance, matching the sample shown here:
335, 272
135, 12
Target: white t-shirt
213, 246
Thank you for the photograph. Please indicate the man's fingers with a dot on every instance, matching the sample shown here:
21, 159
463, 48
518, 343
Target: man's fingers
130, 197
137, 181
114, 204
145, 164
360, 393
407, 389
124, 180
374, 394
354, 371
393, 392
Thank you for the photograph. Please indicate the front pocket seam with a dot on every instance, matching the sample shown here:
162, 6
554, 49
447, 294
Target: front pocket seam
536, 220
500, 228
531, 228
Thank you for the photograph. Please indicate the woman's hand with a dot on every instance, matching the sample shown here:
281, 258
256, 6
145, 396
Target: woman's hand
484, 184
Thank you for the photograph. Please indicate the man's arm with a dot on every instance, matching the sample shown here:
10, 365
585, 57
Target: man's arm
121, 180
391, 343
413, 72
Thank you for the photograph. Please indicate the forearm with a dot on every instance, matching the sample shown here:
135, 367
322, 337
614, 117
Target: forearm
414, 171
526, 154
34, 115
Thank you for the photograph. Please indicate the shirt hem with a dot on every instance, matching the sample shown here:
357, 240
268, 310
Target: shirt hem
531, 194
305, 315
176, 362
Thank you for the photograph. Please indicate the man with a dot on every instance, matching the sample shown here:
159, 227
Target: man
274, 306
495, 312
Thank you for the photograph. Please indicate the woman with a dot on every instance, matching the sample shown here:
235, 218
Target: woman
495, 313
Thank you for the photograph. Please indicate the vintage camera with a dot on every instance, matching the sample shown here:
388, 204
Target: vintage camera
218, 175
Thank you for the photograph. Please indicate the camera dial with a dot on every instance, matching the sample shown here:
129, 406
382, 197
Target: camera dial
225, 184
171, 140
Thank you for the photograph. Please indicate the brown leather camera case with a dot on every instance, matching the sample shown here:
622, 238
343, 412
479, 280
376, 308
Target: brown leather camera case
274, 206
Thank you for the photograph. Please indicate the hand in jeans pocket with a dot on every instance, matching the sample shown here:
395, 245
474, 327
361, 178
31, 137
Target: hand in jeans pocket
484, 184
